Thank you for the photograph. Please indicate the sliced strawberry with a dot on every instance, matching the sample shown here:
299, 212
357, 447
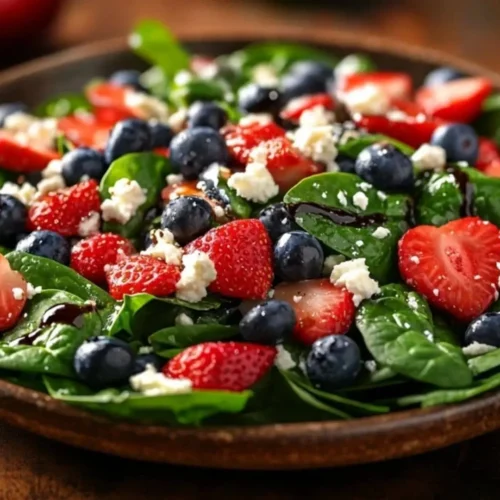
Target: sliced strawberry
200, 64
13, 295
85, 131
454, 266
18, 157
296, 107
493, 169
110, 116
456, 101
63, 211
226, 366
413, 131
109, 97
321, 308
488, 153
410, 108
141, 274
394, 85
242, 254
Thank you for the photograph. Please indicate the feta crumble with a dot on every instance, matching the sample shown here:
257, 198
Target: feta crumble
18, 293
146, 106
177, 120
330, 262
364, 186
49, 185
381, 232
477, 349
412, 302
183, 320
342, 198
174, 179
255, 119
89, 225
367, 100
371, 366
31, 290
414, 259
428, 157
153, 383
164, 247
355, 276
199, 271
297, 298
283, 360
265, 75
317, 143
26, 193
255, 183
360, 200
53, 169
126, 197
318, 116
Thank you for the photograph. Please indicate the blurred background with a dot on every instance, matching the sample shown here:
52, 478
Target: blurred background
467, 28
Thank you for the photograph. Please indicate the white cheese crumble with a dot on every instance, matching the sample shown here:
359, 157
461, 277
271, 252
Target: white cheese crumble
199, 271
177, 120
219, 212
183, 77
18, 293
90, 225
371, 366
31, 290
164, 247
355, 276
364, 186
183, 319
284, 360
342, 198
317, 143
412, 302
49, 185
255, 119
381, 195
19, 122
429, 335
126, 197
381, 232
359, 243
435, 292
318, 116
367, 100
330, 262
265, 75
255, 184
428, 157
415, 259
477, 349
297, 298
26, 193
53, 169
360, 200
153, 383
146, 106
174, 179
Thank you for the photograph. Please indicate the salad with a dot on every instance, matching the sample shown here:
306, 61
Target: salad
273, 235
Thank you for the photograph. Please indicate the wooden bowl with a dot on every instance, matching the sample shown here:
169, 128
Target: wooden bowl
279, 446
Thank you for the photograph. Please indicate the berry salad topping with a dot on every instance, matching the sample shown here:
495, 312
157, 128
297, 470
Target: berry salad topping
267, 236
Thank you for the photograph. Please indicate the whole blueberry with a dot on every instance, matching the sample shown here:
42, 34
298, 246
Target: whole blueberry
305, 78
277, 221
206, 114
333, 362
385, 167
253, 98
143, 360
187, 218
195, 149
82, 162
298, 256
346, 164
270, 323
46, 244
9, 109
13, 215
161, 135
442, 75
127, 136
104, 362
127, 78
460, 142
484, 330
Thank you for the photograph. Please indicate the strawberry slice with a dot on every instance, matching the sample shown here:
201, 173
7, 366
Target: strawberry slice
109, 97
456, 101
321, 308
242, 255
296, 107
394, 85
454, 266
488, 153
226, 366
410, 108
493, 169
18, 157
85, 131
13, 295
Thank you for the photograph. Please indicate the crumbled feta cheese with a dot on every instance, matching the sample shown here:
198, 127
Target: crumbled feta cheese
212, 173
364, 186
153, 383
371, 366
428, 157
164, 247
126, 197
90, 225
265, 75
477, 349
40, 135
317, 143
255, 119
53, 169
381, 195
348, 66
271, 293
381, 233
318, 116
342, 198
367, 100
359, 243
284, 360
436, 292
145, 349
25, 193
199, 271
429, 335
412, 302
183, 77
435, 182
177, 120
360, 200
49, 185
174, 179
183, 320
31, 290
355, 276
332, 167
19, 122
297, 298
414, 259
255, 184
219, 212
146, 106
18, 293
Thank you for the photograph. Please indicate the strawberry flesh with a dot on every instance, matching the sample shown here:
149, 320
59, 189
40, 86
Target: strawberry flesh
11, 306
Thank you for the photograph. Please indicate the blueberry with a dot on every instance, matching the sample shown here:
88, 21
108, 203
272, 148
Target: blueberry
253, 98
143, 360
277, 221
298, 256
213, 192
82, 162
442, 75
127, 78
484, 330
346, 164
305, 78
316, 69
206, 114
195, 149
46, 244
13, 215
270, 323
161, 135
127, 136
459, 141
187, 218
333, 362
104, 361
385, 167
10, 109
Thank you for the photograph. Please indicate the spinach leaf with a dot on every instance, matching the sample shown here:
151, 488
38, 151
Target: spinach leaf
200, 90
152, 41
184, 409
4, 250
355, 63
488, 123
6, 176
63, 145
486, 194
185, 336
399, 333
149, 170
353, 147
239, 206
63, 105
28, 380
485, 363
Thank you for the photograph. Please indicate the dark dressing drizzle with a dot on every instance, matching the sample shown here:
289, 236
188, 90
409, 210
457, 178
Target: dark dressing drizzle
466, 188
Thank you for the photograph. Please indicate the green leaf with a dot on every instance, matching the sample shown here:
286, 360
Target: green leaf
488, 124
63, 105
4, 250
6, 176
63, 145
185, 336
200, 90
486, 194
184, 409
239, 206
353, 147
399, 334
485, 363
149, 170
355, 63
152, 41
